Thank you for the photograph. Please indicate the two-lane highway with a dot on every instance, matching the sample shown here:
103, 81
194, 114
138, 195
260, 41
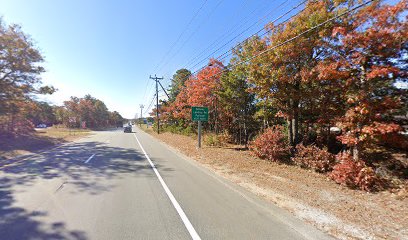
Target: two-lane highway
115, 185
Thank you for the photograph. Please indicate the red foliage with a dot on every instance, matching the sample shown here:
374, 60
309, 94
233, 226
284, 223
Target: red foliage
354, 174
369, 43
381, 72
199, 90
313, 157
271, 145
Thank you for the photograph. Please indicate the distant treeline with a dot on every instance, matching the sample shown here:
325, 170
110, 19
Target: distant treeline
20, 86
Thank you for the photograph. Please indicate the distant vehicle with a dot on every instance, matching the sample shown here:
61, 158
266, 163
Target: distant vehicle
127, 129
42, 125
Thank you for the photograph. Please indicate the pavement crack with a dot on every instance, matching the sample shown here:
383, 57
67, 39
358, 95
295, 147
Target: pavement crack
60, 187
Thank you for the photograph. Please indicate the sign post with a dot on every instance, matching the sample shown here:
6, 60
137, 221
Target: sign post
199, 114
199, 134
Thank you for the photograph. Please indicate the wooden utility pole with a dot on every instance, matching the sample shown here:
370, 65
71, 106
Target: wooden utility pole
141, 114
156, 79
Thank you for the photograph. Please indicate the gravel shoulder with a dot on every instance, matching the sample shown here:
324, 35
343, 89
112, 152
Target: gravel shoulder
310, 196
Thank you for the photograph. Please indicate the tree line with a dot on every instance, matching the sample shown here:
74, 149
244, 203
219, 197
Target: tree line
307, 80
21, 86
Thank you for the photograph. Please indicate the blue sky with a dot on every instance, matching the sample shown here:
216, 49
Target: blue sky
109, 48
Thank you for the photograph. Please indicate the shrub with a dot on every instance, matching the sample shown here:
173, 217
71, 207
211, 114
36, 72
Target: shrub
217, 140
354, 174
314, 158
211, 140
271, 144
178, 129
188, 131
225, 138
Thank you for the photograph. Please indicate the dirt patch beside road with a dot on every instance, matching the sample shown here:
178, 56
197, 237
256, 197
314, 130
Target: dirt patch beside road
11, 147
312, 197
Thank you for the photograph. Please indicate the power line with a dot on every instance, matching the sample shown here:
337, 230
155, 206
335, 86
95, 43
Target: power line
241, 32
233, 29
292, 39
175, 42
286, 13
304, 32
289, 40
277, 19
181, 34
191, 35
230, 52
150, 105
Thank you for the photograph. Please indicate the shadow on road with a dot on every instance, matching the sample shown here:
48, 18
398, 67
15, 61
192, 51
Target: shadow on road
68, 165
17, 223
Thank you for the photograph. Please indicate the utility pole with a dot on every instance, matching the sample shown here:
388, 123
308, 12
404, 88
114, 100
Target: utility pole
141, 115
156, 79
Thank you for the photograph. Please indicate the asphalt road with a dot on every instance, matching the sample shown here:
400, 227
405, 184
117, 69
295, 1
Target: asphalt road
115, 185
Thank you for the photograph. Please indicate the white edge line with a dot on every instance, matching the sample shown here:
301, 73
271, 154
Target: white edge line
194, 235
89, 159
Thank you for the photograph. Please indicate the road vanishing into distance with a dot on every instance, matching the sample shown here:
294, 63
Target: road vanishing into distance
115, 185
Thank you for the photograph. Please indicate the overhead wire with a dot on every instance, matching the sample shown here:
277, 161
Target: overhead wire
289, 40
258, 31
168, 81
191, 35
175, 42
230, 52
305, 32
150, 105
181, 34
232, 30
278, 18
275, 20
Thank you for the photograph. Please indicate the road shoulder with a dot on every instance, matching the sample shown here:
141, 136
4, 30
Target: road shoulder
306, 230
309, 196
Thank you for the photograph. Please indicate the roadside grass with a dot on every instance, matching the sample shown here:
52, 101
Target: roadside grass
11, 147
63, 133
146, 129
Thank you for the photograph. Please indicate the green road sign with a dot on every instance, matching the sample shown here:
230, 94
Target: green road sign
199, 113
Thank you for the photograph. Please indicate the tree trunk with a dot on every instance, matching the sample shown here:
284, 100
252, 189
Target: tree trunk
11, 125
290, 131
356, 153
296, 125
357, 147
295, 108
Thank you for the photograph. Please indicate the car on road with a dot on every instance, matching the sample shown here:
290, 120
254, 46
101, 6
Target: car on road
127, 129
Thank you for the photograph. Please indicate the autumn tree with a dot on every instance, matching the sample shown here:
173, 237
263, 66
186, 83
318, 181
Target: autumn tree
20, 69
284, 74
89, 110
116, 119
42, 112
201, 90
369, 54
61, 115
